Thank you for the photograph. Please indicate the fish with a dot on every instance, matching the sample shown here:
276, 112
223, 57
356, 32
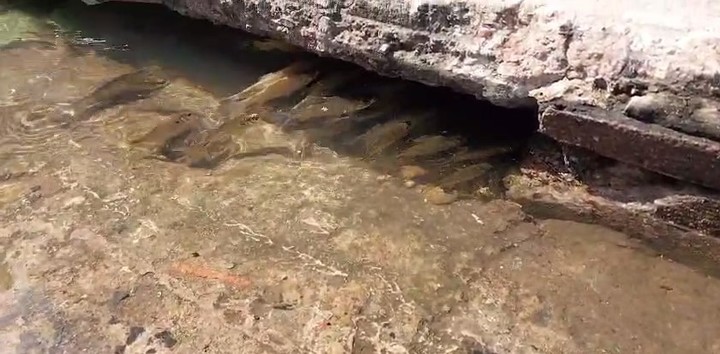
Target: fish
410, 172
282, 83
437, 196
332, 131
430, 145
326, 85
29, 44
217, 146
382, 136
268, 44
160, 140
467, 155
241, 123
481, 154
208, 150
465, 174
123, 89
325, 107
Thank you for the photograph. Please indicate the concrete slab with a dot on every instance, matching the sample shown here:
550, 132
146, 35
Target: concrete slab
605, 54
652, 147
500, 50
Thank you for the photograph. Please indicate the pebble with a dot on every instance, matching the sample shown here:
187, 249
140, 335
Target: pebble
707, 121
709, 115
409, 184
648, 108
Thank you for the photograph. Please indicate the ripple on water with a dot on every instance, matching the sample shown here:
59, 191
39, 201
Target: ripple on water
27, 129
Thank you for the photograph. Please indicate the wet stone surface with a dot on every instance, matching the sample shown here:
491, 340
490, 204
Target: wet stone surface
299, 231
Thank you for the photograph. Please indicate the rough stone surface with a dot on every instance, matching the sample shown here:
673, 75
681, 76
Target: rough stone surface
499, 50
678, 220
652, 147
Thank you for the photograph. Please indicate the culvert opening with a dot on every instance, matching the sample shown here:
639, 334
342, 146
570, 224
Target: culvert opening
426, 135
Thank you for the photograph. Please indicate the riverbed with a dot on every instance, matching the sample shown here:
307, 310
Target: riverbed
339, 212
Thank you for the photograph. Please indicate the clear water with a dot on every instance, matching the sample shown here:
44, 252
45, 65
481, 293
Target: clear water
362, 217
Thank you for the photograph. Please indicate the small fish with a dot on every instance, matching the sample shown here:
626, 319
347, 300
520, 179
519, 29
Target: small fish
481, 154
268, 45
28, 44
313, 108
123, 89
159, 139
326, 85
272, 86
239, 124
437, 196
208, 150
382, 136
465, 174
332, 130
410, 172
430, 145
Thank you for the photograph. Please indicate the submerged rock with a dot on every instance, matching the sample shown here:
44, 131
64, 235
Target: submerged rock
648, 108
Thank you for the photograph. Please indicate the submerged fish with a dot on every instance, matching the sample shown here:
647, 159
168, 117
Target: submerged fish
326, 107
465, 174
29, 44
272, 86
430, 145
326, 85
161, 138
239, 124
208, 150
481, 154
384, 135
436, 195
268, 44
123, 89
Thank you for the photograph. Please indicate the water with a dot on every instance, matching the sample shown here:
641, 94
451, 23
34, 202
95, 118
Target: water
269, 201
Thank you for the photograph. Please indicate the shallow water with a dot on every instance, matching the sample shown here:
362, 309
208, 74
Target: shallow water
324, 210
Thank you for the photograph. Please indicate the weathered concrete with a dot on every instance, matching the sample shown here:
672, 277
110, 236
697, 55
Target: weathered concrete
653, 147
499, 50
679, 220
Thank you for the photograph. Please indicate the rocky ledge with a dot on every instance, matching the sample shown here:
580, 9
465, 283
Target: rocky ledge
650, 65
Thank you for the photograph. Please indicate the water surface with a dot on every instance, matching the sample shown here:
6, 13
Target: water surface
265, 201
